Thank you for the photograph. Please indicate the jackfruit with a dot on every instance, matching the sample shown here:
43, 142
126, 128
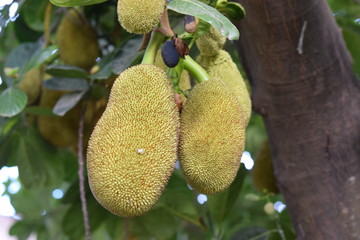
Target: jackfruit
76, 38
140, 16
31, 84
222, 67
211, 42
212, 137
60, 131
132, 150
169, 53
263, 172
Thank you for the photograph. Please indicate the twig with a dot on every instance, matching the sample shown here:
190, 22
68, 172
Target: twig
81, 173
301, 39
47, 24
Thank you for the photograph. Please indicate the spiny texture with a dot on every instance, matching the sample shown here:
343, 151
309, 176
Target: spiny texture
31, 84
211, 42
212, 137
222, 67
77, 40
140, 16
263, 171
132, 150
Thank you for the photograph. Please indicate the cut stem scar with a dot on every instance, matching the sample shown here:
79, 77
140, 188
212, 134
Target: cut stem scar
301, 39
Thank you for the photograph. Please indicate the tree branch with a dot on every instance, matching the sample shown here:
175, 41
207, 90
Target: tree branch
81, 172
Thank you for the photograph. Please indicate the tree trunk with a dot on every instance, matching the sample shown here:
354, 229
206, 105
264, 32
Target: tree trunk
304, 87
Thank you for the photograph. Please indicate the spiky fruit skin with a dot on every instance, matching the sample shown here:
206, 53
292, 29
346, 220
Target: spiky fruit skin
211, 42
212, 137
221, 66
263, 172
132, 150
169, 54
78, 45
31, 84
140, 16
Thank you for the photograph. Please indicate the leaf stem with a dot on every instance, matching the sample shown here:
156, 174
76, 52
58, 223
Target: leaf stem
81, 172
195, 69
151, 50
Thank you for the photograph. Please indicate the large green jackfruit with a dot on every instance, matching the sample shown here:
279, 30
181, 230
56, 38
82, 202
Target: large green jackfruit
77, 40
132, 150
263, 172
140, 16
31, 84
211, 42
222, 67
60, 131
212, 137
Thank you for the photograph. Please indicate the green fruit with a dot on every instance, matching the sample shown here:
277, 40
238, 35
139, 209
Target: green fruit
211, 42
60, 131
78, 45
31, 85
212, 137
263, 171
222, 67
140, 16
132, 150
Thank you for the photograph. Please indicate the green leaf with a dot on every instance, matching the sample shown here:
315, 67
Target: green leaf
70, 84
19, 57
12, 102
179, 200
67, 102
258, 233
232, 10
74, 3
40, 57
221, 204
73, 224
66, 71
157, 224
127, 53
22, 229
207, 14
34, 13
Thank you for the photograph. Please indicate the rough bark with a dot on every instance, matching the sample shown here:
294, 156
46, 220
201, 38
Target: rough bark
304, 86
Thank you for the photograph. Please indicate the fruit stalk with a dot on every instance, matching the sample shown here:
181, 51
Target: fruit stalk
195, 69
150, 53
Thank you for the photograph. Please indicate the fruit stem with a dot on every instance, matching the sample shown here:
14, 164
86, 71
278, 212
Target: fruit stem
195, 69
156, 39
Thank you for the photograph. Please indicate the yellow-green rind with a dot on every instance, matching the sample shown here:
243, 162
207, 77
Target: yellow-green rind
77, 41
31, 84
212, 137
211, 42
263, 172
132, 150
140, 16
222, 67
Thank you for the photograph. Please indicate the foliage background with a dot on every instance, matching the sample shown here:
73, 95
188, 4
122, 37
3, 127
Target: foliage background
237, 213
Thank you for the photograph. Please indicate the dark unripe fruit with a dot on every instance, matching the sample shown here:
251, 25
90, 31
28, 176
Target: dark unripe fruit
169, 54
263, 171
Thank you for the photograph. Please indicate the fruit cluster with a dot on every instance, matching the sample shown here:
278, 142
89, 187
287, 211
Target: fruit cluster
134, 146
